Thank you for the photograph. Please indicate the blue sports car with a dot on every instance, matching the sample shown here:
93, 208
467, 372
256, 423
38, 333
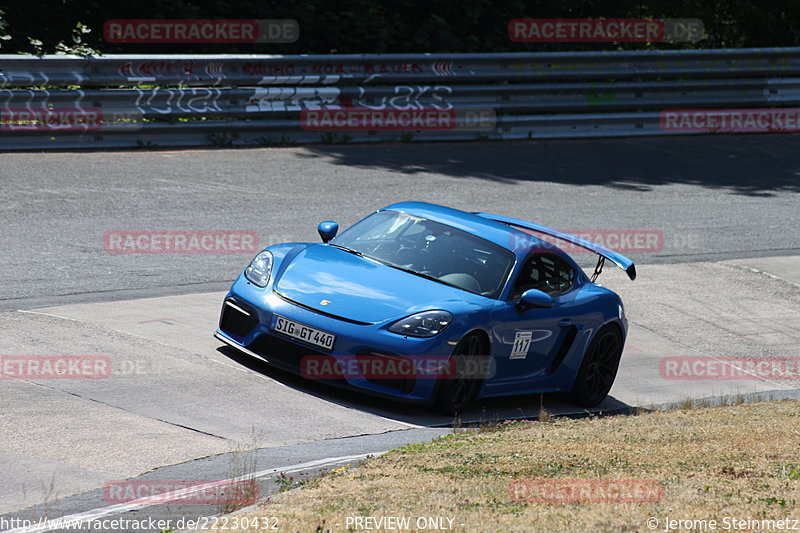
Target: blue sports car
426, 303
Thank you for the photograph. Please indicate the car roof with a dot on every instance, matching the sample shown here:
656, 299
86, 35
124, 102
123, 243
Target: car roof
508, 237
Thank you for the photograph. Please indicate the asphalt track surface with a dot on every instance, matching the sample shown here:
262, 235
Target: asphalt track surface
724, 282
713, 197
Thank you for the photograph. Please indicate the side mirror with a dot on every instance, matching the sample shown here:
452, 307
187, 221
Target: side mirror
534, 298
327, 230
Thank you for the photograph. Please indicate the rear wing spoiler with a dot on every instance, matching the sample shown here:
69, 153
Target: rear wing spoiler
605, 253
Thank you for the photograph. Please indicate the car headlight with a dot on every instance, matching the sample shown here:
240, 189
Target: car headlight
259, 269
425, 324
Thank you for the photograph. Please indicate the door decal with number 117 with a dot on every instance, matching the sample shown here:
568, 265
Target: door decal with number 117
522, 341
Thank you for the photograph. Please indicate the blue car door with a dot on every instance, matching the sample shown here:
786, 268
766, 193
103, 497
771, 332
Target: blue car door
530, 343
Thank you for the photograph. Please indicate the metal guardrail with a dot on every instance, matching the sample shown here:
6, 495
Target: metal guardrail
200, 100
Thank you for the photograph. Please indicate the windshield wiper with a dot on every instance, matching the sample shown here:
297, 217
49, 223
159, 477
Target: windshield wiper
348, 250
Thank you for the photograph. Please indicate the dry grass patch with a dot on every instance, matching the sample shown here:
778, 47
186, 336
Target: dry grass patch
739, 461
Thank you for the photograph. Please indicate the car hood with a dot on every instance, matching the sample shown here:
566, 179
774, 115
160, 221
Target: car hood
359, 289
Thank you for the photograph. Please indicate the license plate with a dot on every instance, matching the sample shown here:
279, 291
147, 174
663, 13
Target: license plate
304, 333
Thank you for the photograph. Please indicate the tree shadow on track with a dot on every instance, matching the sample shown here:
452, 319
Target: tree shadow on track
749, 165
483, 412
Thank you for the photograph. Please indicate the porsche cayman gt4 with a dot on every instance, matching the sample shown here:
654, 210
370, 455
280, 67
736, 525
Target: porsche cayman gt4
427, 303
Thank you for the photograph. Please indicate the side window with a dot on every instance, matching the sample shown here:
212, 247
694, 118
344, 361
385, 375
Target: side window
546, 272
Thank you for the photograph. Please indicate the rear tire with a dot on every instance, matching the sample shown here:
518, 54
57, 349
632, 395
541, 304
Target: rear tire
457, 392
599, 368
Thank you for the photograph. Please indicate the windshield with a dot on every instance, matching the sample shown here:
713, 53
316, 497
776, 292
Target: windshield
432, 250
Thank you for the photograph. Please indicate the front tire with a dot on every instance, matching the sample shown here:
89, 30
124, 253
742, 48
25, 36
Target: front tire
599, 368
457, 392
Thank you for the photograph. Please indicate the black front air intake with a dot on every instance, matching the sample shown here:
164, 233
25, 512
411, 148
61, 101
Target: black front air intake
237, 318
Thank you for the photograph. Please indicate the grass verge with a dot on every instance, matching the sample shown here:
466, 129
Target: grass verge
739, 462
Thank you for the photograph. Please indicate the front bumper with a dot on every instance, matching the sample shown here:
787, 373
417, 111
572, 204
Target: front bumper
247, 320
